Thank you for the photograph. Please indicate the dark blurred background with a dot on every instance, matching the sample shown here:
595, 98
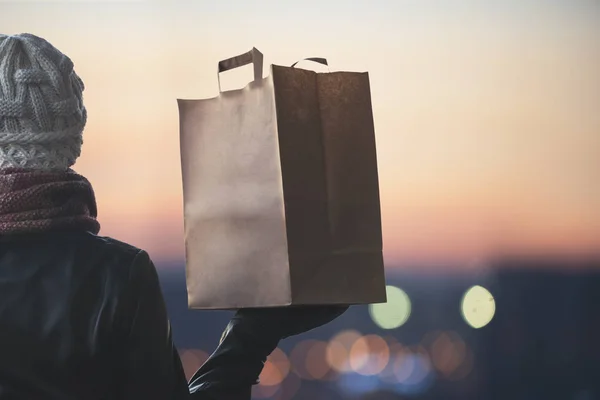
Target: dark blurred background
520, 329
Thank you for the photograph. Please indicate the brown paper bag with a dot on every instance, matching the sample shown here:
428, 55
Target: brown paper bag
281, 194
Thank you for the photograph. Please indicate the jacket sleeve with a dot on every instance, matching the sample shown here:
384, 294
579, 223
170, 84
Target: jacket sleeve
151, 367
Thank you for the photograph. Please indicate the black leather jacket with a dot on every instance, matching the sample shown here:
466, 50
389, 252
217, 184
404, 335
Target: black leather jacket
83, 317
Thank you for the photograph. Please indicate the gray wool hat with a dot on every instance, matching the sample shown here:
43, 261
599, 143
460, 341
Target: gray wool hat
42, 115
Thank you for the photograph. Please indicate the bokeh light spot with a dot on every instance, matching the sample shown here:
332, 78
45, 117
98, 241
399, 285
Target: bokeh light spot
397, 352
298, 358
413, 368
448, 353
338, 350
309, 361
395, 312
316, 362
275, 370
369, 355
404, 366
478, 307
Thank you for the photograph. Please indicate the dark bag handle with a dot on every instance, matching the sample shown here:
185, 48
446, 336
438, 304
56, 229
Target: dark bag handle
313, 59
252, 57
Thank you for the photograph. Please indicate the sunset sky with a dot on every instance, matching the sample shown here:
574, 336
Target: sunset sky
487, 113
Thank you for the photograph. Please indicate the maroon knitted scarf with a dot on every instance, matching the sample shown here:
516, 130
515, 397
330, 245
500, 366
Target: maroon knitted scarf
40, 201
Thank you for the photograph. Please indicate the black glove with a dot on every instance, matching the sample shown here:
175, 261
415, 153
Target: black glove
253, 334
267, 326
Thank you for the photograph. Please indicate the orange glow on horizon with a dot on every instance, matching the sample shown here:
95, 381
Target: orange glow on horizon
487, 123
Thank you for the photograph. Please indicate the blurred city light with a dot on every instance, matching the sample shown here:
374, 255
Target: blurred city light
276, 369
338, 350
397, 351
298, 357
450, 355
413, 371
478, 307
369, 355
316, 360
395, 312
447, 353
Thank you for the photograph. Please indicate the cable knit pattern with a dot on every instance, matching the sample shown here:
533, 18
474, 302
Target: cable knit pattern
42, 115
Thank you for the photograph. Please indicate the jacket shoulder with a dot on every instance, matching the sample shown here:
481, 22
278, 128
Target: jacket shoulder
84, 255
114, 253
109, 244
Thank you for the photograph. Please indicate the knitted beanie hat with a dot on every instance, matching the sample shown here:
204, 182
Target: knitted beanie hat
42, 115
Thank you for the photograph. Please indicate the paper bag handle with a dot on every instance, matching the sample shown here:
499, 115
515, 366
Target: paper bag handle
253, 56
313, 59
